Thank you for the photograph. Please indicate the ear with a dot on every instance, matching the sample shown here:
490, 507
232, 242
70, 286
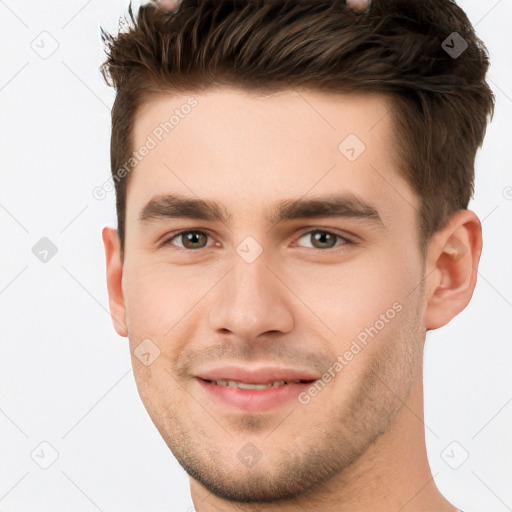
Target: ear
112, 245
451, 268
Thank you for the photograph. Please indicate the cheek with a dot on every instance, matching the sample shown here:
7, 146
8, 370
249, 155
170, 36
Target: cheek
151, 302
155, 295
156, 303
351, 296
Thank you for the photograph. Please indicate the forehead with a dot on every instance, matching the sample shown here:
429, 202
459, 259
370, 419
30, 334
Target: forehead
295, 113
244, 149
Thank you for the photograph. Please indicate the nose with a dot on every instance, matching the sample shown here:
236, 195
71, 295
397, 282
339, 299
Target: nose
252, 300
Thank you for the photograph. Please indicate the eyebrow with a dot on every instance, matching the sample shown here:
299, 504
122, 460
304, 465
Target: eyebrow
342, 205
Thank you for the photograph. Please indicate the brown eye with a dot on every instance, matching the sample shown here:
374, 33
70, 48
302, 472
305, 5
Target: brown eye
190, 240
324, 239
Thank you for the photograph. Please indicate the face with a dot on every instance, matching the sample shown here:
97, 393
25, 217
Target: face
271, 240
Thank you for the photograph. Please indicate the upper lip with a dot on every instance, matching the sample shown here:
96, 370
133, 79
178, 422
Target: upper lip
255, 374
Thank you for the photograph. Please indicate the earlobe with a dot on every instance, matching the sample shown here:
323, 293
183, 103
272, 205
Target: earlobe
452, 263
114, 265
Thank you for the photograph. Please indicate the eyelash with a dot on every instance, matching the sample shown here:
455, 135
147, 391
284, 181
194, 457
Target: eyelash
345, 241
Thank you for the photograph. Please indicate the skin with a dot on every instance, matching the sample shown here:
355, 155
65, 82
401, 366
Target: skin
358, 6
168, 5
359, 444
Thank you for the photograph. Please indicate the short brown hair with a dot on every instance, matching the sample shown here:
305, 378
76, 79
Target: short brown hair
441, 102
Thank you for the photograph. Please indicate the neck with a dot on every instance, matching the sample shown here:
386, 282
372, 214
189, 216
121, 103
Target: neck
393, 474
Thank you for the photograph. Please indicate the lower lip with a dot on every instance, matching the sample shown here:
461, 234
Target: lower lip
254, 400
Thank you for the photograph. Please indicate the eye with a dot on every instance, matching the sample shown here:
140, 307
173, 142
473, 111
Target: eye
323, 240
190, 240
194, 239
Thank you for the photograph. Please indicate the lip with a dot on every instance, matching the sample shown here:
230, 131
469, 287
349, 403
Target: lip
254, 400
255, 374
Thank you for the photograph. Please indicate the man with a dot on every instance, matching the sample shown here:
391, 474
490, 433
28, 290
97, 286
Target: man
292, 181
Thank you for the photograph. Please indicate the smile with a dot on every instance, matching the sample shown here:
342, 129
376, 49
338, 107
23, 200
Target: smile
247, 385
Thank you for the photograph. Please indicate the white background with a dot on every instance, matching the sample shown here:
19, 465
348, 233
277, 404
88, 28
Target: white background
65, 374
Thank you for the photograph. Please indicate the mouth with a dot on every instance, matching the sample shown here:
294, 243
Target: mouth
249, 385
253, 389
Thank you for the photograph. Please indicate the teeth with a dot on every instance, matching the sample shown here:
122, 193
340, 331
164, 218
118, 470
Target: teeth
245, 385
